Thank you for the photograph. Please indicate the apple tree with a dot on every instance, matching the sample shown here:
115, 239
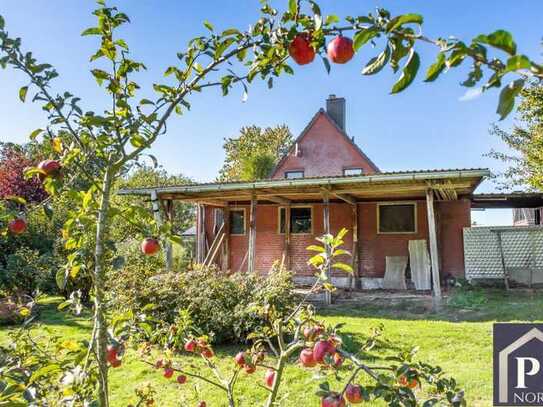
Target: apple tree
104, 145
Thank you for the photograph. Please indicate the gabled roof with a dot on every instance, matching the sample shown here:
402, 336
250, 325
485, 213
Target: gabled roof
305, 131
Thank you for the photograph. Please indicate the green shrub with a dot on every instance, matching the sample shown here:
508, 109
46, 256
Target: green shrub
27, 271
215, 303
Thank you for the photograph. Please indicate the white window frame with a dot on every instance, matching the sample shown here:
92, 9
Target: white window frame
415, 210
279, 208
244, 210
353, 168
294, 171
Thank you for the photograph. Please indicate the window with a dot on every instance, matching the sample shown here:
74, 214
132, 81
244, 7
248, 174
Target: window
300, 219
237, 221
397, 218
218, 219
294, 174
353, 171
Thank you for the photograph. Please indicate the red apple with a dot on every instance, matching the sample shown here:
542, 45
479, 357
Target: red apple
353, 393
333, 400
250, 369
111, 353
115, 363
207, 353
190, 346
159, 363
300, 49
338, 360
181, 379
411, 383
240, 359
51, 168
307, 359
321, 349
17, 226
202, 404
150, 246
168, 373
269, 378
340, 50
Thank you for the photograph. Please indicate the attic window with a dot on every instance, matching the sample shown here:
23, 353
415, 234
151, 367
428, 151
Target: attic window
294, 174
353, 171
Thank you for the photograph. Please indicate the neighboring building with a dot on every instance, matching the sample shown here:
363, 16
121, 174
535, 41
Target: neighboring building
324, 183
527, 216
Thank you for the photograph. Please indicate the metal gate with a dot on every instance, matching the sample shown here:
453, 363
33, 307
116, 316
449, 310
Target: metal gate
490, 252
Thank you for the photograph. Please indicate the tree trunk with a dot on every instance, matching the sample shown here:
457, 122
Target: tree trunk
99, 277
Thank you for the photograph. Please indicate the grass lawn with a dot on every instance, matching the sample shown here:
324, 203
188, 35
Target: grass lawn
457, 339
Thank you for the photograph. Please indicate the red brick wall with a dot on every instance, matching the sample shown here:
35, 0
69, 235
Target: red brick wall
453, 216
325, 152
374, 247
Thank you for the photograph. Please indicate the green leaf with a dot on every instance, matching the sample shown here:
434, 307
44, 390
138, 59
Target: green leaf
436, 68
500, 39
2, 23
292, 7
35, 134
43, 371
22, 93
363, 36
118, 262
326, 64
377, 63
91, 31
518, 62
146, 102
408, 73
137, 140
507, 97
398, 21
100, 75
343, 266
332, 19
60, 278
315, 248
208, 25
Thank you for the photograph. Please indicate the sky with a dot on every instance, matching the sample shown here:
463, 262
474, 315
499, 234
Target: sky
428, 126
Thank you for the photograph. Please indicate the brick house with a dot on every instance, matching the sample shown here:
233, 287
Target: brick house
324, 183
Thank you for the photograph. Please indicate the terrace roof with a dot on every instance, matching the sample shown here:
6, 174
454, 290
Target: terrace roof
448, 184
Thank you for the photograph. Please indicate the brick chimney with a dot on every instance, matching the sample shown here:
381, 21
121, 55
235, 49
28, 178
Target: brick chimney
335, 107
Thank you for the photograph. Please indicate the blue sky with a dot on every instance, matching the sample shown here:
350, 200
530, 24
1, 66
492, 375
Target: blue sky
427, 126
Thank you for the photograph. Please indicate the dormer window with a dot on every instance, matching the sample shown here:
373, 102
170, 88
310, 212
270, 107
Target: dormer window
353, 171
294, 174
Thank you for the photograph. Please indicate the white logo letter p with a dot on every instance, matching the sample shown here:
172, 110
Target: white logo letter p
522, 373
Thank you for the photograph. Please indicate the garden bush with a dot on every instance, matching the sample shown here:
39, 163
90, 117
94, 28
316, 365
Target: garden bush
26, 271
204, 300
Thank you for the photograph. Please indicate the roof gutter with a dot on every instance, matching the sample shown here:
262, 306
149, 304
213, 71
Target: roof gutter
367, 179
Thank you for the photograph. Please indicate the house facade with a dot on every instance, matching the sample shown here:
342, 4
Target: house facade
323, 184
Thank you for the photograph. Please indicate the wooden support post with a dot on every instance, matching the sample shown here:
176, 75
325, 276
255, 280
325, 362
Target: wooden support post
286, 247
201, 237
434, 254
355, 250
252, 236
168, 245
502, 258
326, 222
226, 245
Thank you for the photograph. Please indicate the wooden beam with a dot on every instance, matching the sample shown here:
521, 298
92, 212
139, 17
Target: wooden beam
201, 234
286, 244
434, 254
252, 236
226, 245
213, 202
326, 222
356, 248
274, 198
169, 249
